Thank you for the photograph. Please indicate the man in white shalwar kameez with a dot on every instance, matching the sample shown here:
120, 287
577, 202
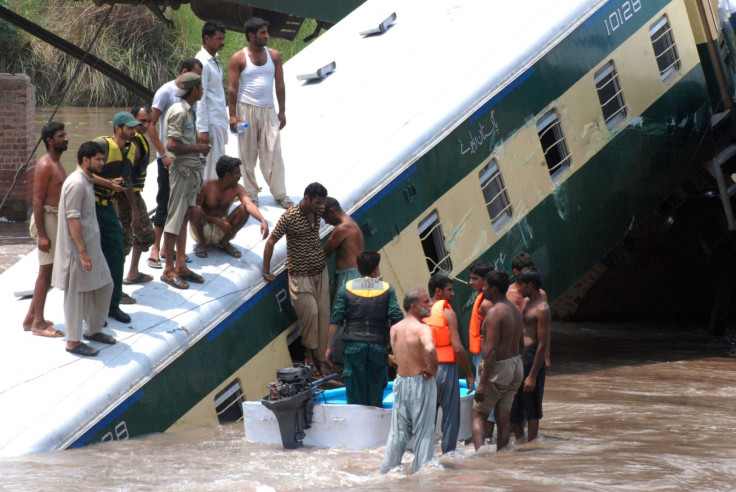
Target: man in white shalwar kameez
80, 269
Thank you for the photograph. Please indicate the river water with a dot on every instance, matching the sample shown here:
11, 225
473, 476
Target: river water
627, 407
81, 124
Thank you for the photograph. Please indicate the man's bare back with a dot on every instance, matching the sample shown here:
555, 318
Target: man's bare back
351, 244
412, 342
346, 240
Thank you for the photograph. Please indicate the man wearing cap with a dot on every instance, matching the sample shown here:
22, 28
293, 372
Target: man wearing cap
118, 151
185, 179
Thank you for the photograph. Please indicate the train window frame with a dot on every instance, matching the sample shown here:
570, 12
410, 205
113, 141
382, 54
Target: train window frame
552, 139
610, 95
665, 48
495, 195
229, 403
433, 244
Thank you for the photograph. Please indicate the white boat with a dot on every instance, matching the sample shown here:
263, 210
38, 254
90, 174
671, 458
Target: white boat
335, 423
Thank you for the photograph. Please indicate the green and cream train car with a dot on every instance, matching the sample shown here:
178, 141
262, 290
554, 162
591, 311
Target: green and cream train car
467, 129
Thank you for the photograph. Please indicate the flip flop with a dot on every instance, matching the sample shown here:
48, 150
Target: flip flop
126, 299
155, 263
200, 250
83, 349
175, 282
49, 333
231, 250
140, 279
100, 337
193, 277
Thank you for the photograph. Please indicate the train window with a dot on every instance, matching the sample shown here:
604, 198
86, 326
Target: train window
433, 244
665, 49
229, 403
555, 150
495, 195
610, 95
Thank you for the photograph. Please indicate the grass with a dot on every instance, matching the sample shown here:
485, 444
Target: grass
136, 43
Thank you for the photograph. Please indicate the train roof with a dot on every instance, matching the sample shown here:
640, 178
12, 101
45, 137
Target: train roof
393, 96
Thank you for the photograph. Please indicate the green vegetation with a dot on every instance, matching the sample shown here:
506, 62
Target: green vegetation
135, 42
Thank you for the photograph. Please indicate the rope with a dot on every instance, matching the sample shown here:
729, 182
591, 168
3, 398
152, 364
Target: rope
24, 167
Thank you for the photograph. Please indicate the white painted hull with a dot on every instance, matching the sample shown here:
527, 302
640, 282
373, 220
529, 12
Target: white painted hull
350, 426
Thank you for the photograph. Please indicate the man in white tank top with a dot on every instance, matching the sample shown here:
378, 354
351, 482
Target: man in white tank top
254, 71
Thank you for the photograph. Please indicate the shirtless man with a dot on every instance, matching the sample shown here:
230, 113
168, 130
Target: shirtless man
415, 389
521, 261
48, 177
211, 222
346, 241
501, 371
536, 316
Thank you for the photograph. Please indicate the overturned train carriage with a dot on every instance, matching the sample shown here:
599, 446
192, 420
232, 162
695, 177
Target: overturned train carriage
468, 129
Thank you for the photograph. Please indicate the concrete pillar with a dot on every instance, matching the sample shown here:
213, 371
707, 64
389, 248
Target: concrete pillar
17, 139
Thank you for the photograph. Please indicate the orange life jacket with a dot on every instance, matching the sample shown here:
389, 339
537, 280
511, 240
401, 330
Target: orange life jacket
441, 332
476, 320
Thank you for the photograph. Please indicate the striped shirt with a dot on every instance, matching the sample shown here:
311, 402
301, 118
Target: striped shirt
305, 256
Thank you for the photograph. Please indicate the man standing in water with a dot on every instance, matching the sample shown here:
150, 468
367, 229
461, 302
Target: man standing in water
48, 178
450, 352
309, 287
521, 261
415, 389
346, 241
80, 269
254, 72
536, 316
164, 98
501, 370
212, 108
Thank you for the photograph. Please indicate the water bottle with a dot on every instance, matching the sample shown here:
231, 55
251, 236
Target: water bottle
240, 128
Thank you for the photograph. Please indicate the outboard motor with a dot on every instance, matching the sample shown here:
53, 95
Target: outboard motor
292, 398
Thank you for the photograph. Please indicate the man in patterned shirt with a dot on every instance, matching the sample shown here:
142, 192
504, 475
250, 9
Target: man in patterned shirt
309, 285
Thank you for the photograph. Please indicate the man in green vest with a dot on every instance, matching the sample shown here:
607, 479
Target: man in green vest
369, 308
118, 151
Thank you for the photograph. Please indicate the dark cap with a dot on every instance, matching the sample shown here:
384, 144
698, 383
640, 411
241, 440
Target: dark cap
186, 82
124, 118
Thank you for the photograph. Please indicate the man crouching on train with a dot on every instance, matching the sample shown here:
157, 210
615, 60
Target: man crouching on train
369, 308
212, 223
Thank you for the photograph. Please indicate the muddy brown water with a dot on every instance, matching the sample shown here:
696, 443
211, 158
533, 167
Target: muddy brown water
627, 407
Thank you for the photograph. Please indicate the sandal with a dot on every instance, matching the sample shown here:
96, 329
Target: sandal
83, 350
175, 282
100, 337
231, 250
200, 250
285, 202
49, 332
193, 277
155, 263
